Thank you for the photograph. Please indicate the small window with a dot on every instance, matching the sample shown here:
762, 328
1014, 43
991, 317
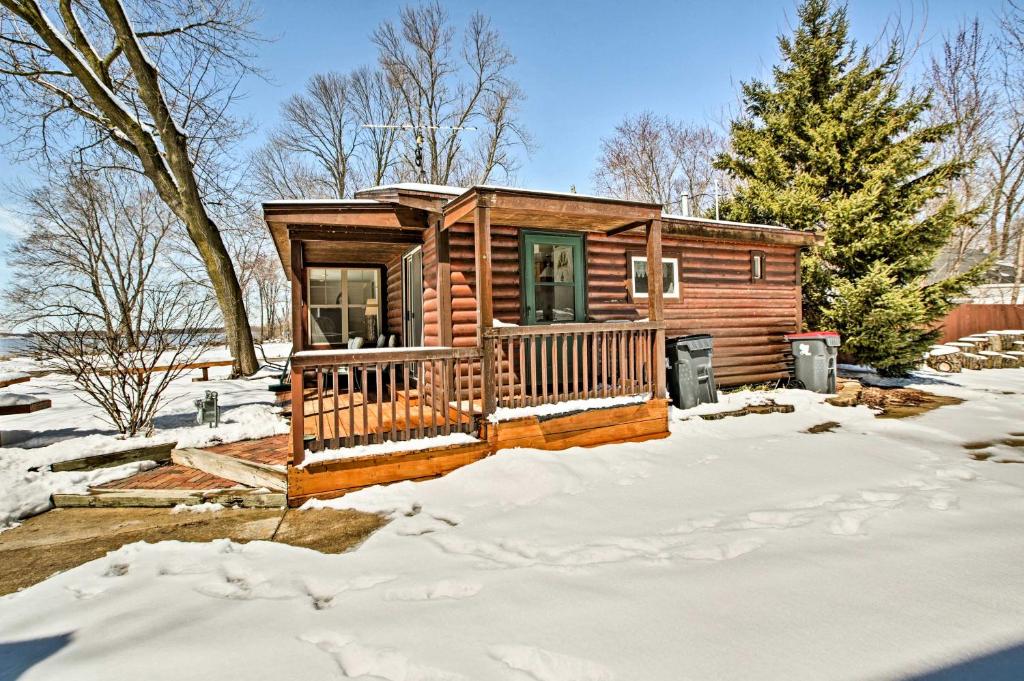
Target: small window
757, 263
670, 276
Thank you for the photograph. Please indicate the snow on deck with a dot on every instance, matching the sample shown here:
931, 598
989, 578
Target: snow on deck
735, 549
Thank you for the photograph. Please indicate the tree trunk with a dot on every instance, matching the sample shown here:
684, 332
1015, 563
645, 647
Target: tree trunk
238, 333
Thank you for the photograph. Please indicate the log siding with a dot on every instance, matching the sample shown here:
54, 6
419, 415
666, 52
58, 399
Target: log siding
747, 317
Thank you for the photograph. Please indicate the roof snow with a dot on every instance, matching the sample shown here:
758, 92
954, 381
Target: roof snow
322, 202
726, 223
419, 187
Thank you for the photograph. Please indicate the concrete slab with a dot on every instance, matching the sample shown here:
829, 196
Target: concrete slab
65, 538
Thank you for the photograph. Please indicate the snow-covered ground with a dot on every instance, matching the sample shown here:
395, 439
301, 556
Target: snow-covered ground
741, 548
71, 429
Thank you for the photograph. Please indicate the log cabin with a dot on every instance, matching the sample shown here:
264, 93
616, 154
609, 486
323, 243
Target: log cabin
477, 305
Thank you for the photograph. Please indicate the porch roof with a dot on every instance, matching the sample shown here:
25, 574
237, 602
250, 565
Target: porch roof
562, 210
344, 231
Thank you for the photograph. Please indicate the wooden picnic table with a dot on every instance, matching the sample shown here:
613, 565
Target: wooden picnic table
204, 366
13, 379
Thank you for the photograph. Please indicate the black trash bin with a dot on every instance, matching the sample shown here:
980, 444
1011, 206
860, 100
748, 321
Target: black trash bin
691, 379
814, 359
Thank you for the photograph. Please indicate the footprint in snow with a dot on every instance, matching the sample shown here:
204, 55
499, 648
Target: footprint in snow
779, 520
85, 593
956, 474
849, 523
356, 660
884, 498
944, 501
243, 584
117, 569
322, 594
544, 665
445, 589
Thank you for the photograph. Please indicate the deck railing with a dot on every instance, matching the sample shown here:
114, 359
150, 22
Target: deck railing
559, 362
357, 397
348, 398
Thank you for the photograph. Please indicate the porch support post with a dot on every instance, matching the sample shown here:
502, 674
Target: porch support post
656, 303
484, 299
444, 284
298, 343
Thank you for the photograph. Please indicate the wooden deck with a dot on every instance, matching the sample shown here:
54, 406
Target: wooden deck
627, 423
406, 412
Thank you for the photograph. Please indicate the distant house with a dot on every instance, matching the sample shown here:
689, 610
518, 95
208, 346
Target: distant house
487, 300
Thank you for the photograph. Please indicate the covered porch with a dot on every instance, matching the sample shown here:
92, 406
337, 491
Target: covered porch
466, 372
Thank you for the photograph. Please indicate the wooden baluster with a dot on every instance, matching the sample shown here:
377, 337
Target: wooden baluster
631, 358
553, 342
522, 371
470, 384
319, 408
586, 371
575, 345
379, 429
614, 350
365, 435
438, 395
350, 378
595, 362
457, 370
405, 386
499, 351
604, 364
336, 440
447, 405
543, 368
565, 365
422, 394
534, 369
394, 400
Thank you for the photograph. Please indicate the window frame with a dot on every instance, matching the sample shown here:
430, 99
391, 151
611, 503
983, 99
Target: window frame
379, 280
633, 256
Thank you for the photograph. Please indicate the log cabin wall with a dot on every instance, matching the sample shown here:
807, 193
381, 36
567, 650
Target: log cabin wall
431, 331
394, 299
747, 318
717, 295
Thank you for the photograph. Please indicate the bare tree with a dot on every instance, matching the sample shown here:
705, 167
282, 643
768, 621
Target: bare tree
92, 284
963, 92
1008, 155
652, 158
445, 84
149, 82
977, 84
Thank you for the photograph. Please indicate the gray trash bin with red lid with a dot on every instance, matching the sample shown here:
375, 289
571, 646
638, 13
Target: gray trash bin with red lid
814, 359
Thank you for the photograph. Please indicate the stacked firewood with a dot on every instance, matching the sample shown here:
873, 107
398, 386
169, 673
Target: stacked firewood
989, 350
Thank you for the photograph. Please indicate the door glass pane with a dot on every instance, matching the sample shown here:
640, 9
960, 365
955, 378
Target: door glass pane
553, 264
556, 303
326, 326
324, 286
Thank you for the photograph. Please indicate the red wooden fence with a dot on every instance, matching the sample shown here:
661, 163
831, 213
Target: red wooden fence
977, 318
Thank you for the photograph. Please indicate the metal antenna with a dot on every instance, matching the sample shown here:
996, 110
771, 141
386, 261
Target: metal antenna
418, 129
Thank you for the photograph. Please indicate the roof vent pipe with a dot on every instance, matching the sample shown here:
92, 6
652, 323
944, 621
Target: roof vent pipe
686, 205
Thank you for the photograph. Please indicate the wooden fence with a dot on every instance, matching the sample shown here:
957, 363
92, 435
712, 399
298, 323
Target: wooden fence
978, 318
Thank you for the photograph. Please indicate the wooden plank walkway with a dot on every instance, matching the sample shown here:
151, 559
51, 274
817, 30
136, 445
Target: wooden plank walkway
170, 477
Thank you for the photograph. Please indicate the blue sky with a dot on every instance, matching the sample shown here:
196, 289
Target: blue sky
583, 65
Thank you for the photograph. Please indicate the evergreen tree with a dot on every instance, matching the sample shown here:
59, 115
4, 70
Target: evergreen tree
834, 145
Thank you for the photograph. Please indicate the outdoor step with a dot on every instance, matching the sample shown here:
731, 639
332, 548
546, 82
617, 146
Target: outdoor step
160, 453
169, 498
244, 472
